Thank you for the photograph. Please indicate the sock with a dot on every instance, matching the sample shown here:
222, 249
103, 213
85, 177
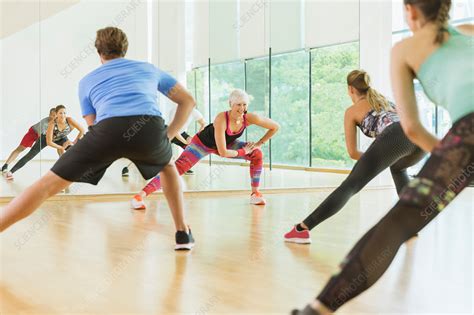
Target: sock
299, 228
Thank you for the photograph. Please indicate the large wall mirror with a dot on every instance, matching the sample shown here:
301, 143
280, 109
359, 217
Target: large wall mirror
290, 56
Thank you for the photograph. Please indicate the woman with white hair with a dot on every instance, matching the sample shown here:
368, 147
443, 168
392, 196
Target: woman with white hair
221, 138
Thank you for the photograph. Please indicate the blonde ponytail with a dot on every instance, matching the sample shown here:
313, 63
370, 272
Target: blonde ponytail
360, 80
377, 101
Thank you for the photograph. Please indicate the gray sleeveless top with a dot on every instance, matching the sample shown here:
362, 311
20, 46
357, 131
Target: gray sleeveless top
60, 134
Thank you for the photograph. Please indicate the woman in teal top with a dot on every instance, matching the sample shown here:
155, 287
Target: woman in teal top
441, 57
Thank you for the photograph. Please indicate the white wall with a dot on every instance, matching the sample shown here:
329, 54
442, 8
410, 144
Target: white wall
331, 22
232, 30
375, 47
252, 28
20, 82
223, 31
43, 63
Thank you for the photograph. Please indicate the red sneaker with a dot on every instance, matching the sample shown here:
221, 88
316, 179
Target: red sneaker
299, 237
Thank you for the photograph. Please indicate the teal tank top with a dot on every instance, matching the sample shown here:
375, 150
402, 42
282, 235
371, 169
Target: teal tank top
447, 75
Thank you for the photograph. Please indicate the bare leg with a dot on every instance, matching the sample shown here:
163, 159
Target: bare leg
318, 306
174, 195
15, 154
31, 198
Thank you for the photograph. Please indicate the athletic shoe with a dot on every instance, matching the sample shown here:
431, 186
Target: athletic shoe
306, 311
189, 172
138, 203
299, 237
256, 198
9, 176
4, 168
125, 172
184, 241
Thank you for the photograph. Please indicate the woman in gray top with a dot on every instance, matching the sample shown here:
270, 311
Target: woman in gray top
32, 137
53, 134
60, 128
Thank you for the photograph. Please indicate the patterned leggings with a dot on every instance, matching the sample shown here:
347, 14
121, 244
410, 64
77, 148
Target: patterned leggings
446, 173
196, 151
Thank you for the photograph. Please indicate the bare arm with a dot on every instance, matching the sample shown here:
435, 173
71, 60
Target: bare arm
180, 138
89, 119
186, 103
404, 93
202, 124
74, 124
350, 131
466, 29
266, 123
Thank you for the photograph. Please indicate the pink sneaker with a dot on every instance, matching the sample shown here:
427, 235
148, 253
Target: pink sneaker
299, 237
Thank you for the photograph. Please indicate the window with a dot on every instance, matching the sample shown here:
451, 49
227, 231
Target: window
257, 86
290, 108
197, 85
329, 69
191, 87
225, 78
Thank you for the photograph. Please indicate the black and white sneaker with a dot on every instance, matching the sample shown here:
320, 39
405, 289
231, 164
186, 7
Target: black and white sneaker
184, 241
189, 172
306, 311
125, 172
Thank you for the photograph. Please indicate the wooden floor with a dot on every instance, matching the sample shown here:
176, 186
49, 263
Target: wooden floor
77, 257
206, 178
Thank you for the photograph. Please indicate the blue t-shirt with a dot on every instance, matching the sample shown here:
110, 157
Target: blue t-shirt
123, 87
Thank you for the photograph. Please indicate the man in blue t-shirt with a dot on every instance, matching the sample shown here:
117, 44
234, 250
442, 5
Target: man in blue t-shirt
118, 102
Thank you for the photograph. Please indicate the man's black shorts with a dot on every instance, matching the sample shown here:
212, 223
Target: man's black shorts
141, 139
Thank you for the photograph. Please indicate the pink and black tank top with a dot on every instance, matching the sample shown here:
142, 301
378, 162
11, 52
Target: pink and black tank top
375, 122
207, 136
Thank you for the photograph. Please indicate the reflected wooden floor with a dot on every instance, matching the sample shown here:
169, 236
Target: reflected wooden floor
206, 178
75, 257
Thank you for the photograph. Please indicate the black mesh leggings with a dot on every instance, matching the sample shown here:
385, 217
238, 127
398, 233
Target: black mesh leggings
39, 145
391, 149
446, 173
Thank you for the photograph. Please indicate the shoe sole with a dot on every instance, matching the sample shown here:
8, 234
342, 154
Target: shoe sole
138, 208
188, 246
298, 240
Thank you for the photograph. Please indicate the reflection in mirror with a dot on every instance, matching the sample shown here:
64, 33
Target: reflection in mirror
277, 51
